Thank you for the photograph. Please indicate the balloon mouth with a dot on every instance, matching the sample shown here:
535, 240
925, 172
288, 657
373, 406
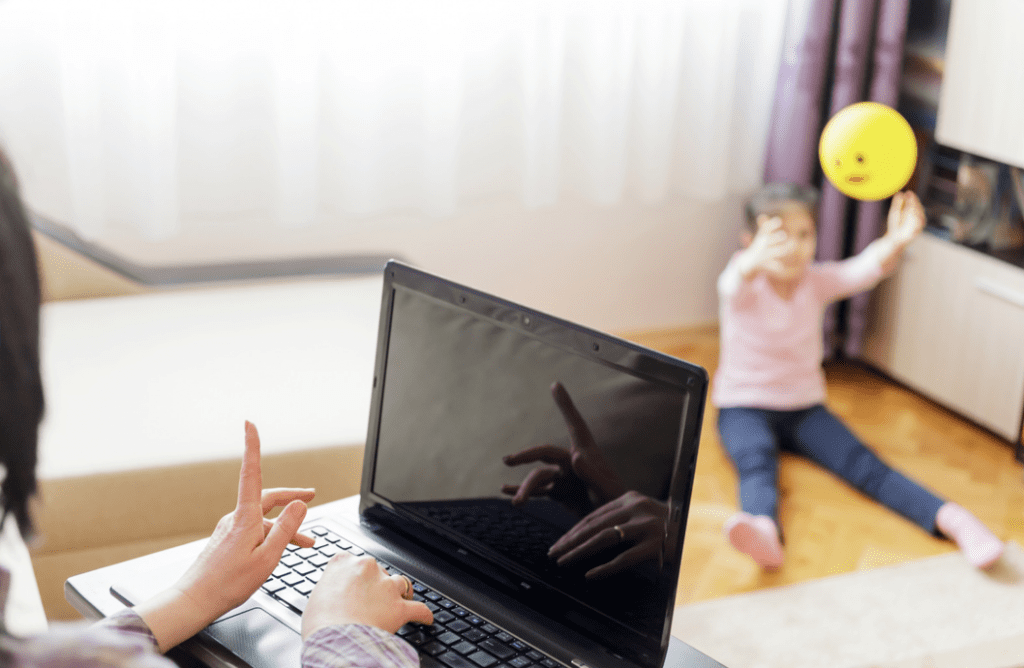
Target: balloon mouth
856, 179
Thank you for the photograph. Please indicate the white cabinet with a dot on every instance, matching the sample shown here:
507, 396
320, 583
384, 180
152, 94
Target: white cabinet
950, 324
981, 103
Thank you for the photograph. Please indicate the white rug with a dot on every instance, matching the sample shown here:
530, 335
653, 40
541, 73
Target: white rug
933, 613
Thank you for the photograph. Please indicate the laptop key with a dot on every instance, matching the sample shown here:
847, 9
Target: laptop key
444, 616
274, 586
433, 648
464, 647
474, 635
454, 660
417, 638
448, 638
304, 569
293, 599
292, 579
500, 650
483, 659
520, 662
458, 626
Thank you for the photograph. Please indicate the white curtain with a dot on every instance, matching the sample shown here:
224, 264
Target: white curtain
170, 115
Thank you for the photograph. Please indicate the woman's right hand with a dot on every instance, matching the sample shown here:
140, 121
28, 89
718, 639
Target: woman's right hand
356, 590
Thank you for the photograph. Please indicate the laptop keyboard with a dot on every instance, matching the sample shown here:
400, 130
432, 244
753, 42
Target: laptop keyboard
458, 638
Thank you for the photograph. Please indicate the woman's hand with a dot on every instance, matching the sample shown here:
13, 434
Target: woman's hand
356, 590
633, 521
239, 557
567, 473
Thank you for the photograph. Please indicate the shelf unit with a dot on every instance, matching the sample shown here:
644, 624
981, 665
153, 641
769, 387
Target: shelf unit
949, 323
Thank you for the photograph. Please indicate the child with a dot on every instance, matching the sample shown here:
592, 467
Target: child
770, 387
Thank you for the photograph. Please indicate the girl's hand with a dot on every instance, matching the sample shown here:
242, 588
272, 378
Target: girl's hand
769, 245
906, 219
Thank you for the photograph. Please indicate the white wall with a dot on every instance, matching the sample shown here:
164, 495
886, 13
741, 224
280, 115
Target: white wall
618, 268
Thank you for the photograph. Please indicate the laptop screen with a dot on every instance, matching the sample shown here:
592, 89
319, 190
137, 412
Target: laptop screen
563, 457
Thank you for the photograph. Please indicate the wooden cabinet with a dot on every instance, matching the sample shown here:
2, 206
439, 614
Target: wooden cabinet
950, 324
981, 103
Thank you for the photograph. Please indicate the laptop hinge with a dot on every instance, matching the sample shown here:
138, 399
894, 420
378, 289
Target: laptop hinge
579, 664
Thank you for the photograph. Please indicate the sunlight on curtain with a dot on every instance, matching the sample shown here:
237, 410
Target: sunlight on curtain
159, 115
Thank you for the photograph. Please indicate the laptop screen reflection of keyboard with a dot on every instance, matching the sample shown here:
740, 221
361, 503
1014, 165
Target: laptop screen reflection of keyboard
458, 638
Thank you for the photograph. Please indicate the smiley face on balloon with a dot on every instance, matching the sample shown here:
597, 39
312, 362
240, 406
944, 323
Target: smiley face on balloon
868, 151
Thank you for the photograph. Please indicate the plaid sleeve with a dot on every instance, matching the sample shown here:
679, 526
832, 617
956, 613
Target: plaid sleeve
357, 646
120, 641
129, 623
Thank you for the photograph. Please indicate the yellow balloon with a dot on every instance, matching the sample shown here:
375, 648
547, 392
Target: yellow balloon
868, 151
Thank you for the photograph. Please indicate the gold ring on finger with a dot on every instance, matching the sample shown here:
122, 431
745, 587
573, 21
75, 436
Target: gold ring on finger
407, 594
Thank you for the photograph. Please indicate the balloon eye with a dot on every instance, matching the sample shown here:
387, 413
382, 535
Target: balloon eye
839, 163
860, 158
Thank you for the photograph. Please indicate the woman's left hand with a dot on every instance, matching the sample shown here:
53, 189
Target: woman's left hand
633, 523
239, 557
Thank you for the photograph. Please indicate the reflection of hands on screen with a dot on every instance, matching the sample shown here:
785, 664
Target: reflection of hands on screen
632, 520
566, 474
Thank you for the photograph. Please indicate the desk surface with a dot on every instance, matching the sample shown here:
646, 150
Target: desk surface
89, 593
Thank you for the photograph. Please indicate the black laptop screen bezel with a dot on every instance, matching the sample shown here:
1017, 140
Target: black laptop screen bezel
689, 379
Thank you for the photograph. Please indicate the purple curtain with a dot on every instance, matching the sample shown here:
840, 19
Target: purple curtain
869, 38
885, 88
792, 152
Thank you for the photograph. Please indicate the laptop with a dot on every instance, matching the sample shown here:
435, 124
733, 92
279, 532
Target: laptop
468, 482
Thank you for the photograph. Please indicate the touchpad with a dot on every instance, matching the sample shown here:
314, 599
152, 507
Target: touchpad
259, 639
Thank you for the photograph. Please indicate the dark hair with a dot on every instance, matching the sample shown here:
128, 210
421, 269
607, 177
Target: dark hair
771, 198
21, 386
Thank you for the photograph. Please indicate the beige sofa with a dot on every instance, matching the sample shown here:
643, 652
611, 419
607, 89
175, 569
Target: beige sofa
146, 398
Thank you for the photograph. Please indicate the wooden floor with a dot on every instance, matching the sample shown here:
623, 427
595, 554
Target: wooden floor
829, 527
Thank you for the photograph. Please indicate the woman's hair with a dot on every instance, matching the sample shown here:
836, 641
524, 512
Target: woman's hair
771, 198
21, 387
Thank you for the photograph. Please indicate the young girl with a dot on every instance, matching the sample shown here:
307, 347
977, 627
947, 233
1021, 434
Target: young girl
770, 386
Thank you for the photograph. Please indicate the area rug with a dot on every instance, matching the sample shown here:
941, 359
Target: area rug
937, 612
